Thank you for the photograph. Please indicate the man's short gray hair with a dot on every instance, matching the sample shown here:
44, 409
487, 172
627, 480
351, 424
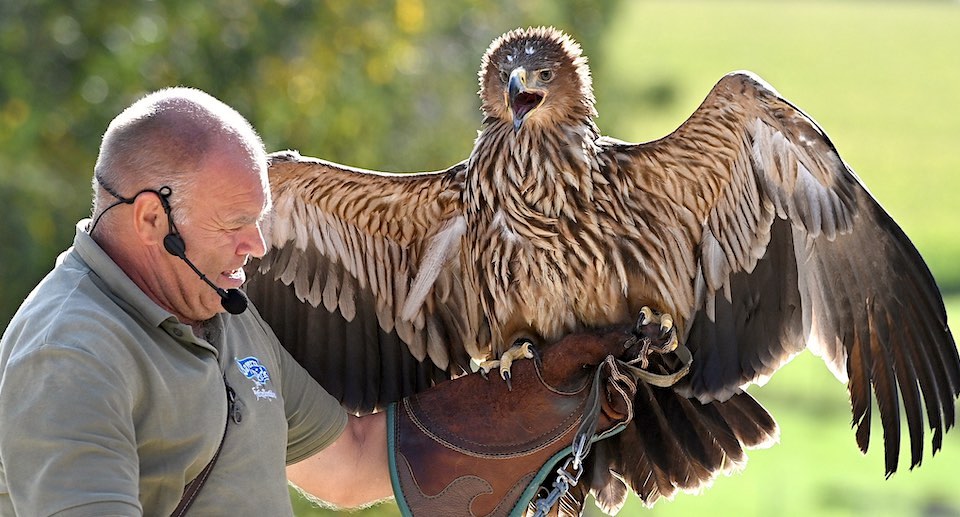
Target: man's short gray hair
162, 139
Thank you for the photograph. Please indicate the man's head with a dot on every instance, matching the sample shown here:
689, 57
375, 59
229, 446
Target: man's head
214, 165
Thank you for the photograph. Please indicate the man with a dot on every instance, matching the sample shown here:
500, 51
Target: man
113, 371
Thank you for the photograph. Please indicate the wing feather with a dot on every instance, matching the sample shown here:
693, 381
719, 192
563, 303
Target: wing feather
674, 444
373, 259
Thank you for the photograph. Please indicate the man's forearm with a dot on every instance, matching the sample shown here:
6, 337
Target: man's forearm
353, 472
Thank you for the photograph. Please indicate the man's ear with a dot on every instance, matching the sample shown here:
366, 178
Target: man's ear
149, 219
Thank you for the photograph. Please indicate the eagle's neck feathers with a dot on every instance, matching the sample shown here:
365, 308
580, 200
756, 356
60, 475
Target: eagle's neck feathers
540, 173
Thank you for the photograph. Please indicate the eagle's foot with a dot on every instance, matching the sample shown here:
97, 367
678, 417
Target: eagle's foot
521, 349
656, 333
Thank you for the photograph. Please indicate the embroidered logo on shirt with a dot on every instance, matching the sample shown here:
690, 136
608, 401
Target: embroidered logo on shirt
251, 368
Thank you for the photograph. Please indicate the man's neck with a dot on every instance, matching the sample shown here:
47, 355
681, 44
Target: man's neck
142, 271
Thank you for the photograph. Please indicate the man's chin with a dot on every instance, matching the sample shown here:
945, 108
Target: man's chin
210, 307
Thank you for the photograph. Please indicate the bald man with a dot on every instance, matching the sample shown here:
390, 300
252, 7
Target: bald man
121, 370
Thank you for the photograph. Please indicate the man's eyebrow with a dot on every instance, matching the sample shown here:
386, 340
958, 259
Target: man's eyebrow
245, 219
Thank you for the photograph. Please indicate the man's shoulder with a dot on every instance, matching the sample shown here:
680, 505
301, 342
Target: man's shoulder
66, 308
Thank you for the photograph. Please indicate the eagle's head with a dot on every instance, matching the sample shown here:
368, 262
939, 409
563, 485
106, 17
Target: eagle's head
536, 76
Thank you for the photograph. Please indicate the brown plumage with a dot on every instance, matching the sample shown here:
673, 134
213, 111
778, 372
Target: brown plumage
744, 224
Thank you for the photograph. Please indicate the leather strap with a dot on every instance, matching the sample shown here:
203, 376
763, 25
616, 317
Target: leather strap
192, 489
664, 380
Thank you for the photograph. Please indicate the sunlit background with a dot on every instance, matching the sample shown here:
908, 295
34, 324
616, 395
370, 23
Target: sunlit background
392, 86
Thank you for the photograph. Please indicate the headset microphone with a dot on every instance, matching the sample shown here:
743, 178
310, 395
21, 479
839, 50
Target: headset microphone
233, 300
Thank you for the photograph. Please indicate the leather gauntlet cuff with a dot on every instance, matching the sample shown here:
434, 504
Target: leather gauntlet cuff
472, 447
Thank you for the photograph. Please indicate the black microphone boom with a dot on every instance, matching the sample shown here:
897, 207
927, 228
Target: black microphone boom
233, 300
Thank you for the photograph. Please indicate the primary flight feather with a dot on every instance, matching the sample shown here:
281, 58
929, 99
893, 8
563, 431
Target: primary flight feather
744, 227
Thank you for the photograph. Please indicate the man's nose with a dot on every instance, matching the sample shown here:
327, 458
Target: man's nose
252, 242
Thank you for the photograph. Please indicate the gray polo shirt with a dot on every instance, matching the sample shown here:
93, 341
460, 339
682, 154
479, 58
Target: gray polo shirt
109, 405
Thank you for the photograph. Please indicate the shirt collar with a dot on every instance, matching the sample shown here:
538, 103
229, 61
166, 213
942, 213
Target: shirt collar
127, 292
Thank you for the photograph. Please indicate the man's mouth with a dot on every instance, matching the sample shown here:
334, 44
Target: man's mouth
235, 276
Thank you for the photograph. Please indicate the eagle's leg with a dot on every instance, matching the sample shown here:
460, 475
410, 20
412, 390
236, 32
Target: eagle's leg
521, 349
658, 332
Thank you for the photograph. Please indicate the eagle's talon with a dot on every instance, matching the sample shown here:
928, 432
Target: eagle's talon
673, 342
666, 324
522, 349
646, 317
517, 351
486, 366
657, 334
535, 355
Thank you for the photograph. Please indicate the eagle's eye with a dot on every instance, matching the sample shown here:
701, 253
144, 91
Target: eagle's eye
504, 76
545, 75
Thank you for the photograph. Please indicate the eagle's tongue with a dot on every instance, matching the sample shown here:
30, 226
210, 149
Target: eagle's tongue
524, 103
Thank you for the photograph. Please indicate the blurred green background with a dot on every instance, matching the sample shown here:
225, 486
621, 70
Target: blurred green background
392, 86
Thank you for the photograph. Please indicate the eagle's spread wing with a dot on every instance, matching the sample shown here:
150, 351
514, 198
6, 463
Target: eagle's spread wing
375, 256
793, 252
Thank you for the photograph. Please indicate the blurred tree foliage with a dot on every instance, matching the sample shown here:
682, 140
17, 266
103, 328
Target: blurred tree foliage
387, 85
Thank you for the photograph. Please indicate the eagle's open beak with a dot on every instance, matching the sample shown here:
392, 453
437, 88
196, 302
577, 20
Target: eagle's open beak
521, 100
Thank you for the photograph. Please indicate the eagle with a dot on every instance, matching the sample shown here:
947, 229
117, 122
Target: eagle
742, 234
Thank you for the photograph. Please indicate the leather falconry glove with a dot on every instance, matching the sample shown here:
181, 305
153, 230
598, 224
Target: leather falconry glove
472, 446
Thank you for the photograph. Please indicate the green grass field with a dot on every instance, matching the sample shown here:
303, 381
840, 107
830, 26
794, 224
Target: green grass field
883, 80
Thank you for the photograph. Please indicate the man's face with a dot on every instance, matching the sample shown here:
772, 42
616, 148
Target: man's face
221, 230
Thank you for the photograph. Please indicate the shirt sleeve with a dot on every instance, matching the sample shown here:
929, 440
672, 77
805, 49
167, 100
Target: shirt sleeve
67, 441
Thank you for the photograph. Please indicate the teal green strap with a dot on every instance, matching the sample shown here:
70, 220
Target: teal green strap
392, 456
